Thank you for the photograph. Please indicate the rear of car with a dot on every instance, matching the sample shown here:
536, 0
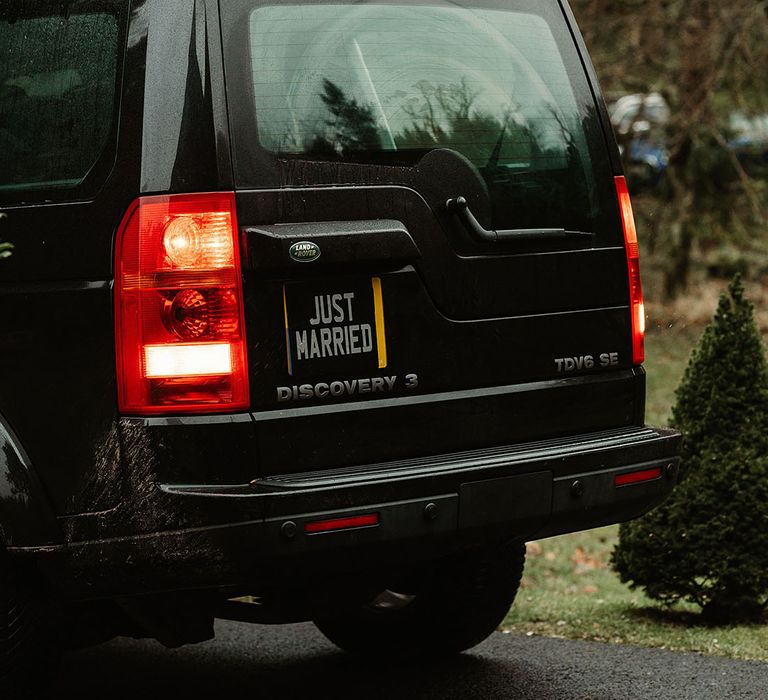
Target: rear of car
334, 301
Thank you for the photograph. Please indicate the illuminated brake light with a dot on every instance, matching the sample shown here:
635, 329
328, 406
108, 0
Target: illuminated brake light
187, 360
199, 242
179, 314
638, 477
335, 524
637, 306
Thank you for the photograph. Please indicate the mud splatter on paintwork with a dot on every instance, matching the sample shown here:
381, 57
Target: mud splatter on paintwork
103, 488
122, 493
142, 542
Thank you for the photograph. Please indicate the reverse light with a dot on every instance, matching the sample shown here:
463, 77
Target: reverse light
164, 361
179, 307
637, 306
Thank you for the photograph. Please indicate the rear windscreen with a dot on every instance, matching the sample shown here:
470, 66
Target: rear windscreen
386, 83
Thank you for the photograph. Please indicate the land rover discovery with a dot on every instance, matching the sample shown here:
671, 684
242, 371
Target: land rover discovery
308, 311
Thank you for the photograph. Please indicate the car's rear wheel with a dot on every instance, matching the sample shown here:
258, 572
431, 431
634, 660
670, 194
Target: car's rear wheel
27, 651
460, 605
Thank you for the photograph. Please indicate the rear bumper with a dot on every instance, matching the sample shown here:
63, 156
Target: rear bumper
424, 508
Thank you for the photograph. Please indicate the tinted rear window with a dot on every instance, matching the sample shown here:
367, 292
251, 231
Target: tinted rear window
58, 74
385, 83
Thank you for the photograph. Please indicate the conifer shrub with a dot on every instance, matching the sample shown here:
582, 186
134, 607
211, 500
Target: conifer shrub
708, 543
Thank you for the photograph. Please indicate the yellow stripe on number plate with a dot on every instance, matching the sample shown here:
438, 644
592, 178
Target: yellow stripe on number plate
378, 307
287, 334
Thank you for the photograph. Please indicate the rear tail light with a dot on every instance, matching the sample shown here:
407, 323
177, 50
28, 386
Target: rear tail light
637, 306
179, 307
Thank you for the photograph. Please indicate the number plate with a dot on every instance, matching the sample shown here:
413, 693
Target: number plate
333, 326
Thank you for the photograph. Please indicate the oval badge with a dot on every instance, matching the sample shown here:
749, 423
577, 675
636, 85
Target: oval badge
304, 251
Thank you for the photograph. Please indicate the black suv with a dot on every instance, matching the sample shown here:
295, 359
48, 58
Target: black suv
308, 312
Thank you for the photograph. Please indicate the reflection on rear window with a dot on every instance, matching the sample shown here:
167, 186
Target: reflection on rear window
57, 92
344, 79
386, 83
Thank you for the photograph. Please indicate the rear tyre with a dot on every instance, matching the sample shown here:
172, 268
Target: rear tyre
461, 605
27, 653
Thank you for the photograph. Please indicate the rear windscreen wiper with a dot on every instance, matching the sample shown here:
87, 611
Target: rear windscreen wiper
460, 207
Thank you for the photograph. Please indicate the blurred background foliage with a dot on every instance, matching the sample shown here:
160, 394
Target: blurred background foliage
687, 83
687, 86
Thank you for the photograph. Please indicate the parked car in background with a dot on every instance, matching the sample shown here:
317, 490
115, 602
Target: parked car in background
640, 122
749, 140
637, 113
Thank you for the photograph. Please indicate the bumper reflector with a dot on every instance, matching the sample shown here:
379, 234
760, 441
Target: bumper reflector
638, 477
355, 521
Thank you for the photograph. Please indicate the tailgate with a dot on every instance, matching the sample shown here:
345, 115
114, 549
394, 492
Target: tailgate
434, 256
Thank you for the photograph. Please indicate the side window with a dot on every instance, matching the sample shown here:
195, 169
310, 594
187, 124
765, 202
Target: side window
58, 86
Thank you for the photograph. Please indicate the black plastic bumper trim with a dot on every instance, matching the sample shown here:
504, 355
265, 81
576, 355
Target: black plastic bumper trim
557, 451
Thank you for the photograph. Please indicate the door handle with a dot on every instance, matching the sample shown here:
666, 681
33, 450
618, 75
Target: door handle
351, 243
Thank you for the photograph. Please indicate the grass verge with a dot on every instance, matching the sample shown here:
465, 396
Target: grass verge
569, 591
667, 352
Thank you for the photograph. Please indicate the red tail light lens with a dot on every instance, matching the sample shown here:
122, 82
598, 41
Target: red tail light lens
179, 307
633, 269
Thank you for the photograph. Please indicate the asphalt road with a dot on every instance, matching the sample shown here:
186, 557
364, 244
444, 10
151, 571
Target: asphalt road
296, 662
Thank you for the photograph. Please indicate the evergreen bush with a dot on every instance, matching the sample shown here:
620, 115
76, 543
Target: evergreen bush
708, 543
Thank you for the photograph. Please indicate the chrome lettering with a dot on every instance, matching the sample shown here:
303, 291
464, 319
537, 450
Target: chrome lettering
346, 387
